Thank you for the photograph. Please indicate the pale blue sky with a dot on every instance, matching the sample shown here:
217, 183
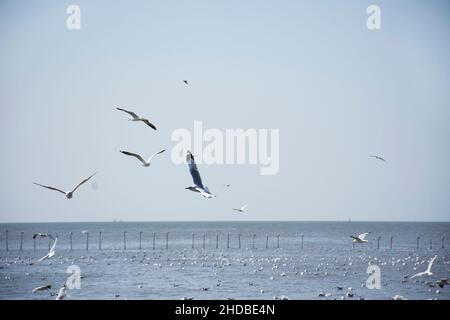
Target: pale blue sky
337, 91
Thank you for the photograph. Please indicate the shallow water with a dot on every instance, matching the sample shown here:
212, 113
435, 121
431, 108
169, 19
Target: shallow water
326, 261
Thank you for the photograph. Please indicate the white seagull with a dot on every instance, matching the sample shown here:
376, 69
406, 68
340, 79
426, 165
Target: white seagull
69, 194
144, 163
360, 238
377, 157
198, 185
42, 288
51, 253
241, 209
62, 293
135, 117
426, 272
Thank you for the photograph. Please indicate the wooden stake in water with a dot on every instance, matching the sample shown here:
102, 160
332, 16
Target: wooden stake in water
267, 241
100, 240
193, 237
70, 236
6, 237
418, 239
443, 240
140, 240
204, 238
217, 241
239, 240
392, 240
87, 240
154, 238
302, 241
124, 240
278, 241
34, 244
378, 242
228, 241
253, 241
431, 244
167, 240
21, 240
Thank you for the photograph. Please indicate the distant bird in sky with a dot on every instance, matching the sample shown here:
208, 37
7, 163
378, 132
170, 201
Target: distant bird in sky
377, 157
42, 288
227, 185
360, 238
144, 163
51, 253
426, 272
186, 82
198, 185
69, 194
62, 293
135, 117
241, 209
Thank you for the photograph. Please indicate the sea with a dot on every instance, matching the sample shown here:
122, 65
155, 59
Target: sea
225, 260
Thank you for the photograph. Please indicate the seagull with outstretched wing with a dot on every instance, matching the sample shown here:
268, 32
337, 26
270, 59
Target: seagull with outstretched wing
135, 117
144, 163
426, 272
42, 288
198, 184
377, 157
241, 209
68, 194
51, 253
360, 238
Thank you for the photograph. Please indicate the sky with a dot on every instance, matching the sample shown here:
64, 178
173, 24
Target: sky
336, 91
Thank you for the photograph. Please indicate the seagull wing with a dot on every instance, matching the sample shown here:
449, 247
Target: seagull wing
151, 157
431, 263
49, 187
417, 275
243, 207
134, 115
85, 180
362, 236
356, 238
151, 125
134, 155
194, 171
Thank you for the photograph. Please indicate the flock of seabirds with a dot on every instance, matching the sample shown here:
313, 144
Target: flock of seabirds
198, 187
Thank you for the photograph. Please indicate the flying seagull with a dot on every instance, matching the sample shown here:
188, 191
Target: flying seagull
62, 293
360, 238
42, 288
377, 157
241, 209
51, 253
69, 194
426, 272
43, 235
186, 82
135, 117
144, 163
198, 185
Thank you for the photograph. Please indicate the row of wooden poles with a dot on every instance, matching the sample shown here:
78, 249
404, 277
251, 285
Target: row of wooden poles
153, 242
417, 242
203, 241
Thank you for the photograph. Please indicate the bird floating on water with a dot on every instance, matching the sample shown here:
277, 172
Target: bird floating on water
144, 163
69, 194
135, 117
62, 293
198, 184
